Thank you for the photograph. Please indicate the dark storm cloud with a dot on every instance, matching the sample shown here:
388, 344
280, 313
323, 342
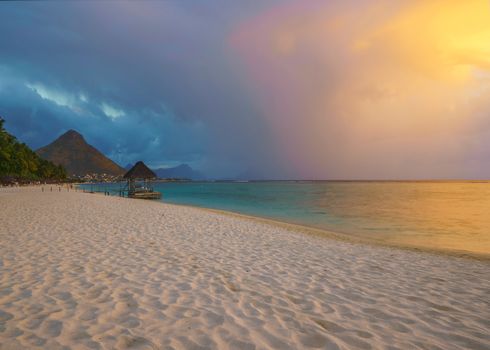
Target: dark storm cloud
145, 81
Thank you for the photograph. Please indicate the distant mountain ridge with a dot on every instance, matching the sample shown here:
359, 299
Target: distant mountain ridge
182, 171
78, 157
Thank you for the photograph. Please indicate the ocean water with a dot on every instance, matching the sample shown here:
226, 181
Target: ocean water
441, 215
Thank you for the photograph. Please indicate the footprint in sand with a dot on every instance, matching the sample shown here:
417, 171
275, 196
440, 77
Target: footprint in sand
34, 340
53, 328
89, 314
136, 343
316, 340
5, 316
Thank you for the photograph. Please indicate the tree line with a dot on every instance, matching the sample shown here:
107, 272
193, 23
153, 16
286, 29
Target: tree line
18, 162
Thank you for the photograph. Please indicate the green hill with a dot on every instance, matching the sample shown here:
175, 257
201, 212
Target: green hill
18, 162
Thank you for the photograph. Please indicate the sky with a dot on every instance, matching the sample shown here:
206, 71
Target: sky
292, 89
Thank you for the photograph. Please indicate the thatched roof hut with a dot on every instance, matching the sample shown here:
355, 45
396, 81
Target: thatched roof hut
140, 171
139, 182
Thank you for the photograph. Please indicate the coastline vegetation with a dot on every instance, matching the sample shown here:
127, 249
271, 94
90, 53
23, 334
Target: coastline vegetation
18, 163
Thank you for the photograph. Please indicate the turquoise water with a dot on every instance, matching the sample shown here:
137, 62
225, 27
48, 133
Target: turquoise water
446, 215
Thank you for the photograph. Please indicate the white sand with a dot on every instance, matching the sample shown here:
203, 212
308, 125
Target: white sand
85, 271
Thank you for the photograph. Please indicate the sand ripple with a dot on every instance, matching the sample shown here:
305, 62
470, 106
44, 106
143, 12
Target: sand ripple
82, 271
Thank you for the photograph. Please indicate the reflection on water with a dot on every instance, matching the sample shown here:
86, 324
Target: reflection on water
445, 215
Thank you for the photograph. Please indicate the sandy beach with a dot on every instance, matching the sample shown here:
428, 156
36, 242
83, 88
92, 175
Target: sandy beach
87, 271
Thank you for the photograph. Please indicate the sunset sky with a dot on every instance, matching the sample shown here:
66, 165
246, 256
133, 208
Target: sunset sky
351, 89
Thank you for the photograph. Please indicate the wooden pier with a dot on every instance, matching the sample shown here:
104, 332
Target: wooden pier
145, 195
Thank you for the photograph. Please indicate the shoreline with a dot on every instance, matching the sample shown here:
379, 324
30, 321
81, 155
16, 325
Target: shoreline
105, 272
345, 237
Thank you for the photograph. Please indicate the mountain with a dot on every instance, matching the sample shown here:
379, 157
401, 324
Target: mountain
182, 171
78, 157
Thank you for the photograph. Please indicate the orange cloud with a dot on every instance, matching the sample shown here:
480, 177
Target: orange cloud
379, 90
